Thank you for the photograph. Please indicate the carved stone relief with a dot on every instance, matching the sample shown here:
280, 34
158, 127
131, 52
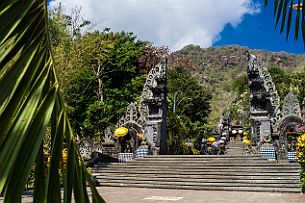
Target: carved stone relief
148, 113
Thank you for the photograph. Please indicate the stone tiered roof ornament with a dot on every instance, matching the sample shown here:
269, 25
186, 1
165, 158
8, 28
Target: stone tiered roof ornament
291, 117
264, 101
291, 106
255, 65
291, 113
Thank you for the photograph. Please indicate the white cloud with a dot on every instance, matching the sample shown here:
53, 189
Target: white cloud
173, 23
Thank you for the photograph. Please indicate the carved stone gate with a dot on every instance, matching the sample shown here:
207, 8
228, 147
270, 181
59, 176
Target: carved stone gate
291, 117
267, 118
264, 101
149, 114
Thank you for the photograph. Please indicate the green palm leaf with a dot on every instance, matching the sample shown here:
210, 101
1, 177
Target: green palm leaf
30, 101
283, 9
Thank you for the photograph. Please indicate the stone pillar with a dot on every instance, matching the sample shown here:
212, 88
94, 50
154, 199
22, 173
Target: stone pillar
164, 131
261, 125
155, 125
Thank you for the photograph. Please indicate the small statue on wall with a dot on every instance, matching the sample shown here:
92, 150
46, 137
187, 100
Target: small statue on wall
266, 142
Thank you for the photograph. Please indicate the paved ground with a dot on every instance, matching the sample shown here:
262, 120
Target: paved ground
142, 195
135, 195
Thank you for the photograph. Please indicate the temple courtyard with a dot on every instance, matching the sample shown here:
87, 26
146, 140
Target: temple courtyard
143, 195
134, 195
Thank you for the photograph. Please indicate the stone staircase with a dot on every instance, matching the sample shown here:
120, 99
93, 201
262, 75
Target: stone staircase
235, 148
231, 172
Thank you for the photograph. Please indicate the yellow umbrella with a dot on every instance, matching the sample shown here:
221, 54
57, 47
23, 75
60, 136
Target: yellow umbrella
247, 142
211, 139
121, 131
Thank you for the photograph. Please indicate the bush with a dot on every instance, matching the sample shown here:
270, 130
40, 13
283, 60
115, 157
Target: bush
301, 159
195, 151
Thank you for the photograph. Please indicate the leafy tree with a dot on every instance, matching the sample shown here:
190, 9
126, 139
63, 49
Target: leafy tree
177, 133
240, 84
282, 80
101, 77
301, 88
76, 23
151, 56
189, 106
30, 101
191, 98
58, 27
101, 72
93, 52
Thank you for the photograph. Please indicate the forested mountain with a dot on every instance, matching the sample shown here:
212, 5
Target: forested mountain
223, 70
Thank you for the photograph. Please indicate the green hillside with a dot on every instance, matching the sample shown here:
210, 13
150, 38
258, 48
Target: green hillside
219, 66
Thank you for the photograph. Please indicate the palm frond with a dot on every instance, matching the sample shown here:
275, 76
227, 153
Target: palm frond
284, 9
30, 101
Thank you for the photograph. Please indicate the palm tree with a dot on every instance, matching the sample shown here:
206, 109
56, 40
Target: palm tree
283, 11
31, 102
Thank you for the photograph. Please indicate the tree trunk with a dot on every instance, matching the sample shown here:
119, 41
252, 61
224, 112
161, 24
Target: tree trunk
100, 85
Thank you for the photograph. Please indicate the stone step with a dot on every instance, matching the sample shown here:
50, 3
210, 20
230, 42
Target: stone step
200, 156
203, 168
200, 180
275, 171
210, 188
294, 178
236, 146
235, 143
205, 184
215, 163
201, 165
230, 173
201, 161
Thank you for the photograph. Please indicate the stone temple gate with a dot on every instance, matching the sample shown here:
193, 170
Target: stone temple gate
148, 116
270, 120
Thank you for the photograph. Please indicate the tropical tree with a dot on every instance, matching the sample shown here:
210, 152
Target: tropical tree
101, 77
240, 84
188, 108
30, 102
283, 12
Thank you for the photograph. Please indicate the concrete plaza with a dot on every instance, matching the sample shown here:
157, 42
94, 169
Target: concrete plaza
143, 195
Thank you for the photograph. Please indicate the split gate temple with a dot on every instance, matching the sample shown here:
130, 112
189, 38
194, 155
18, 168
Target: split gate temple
271, 123
236, 171
145, 120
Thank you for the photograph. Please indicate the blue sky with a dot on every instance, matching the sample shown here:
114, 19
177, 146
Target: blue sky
258, 32
176, 23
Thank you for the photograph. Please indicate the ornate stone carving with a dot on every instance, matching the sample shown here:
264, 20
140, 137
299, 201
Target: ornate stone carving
87, 147
291, 117
260, 81
149, 113
266, 141
291, 114
108, 136
291, 106
263, 91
